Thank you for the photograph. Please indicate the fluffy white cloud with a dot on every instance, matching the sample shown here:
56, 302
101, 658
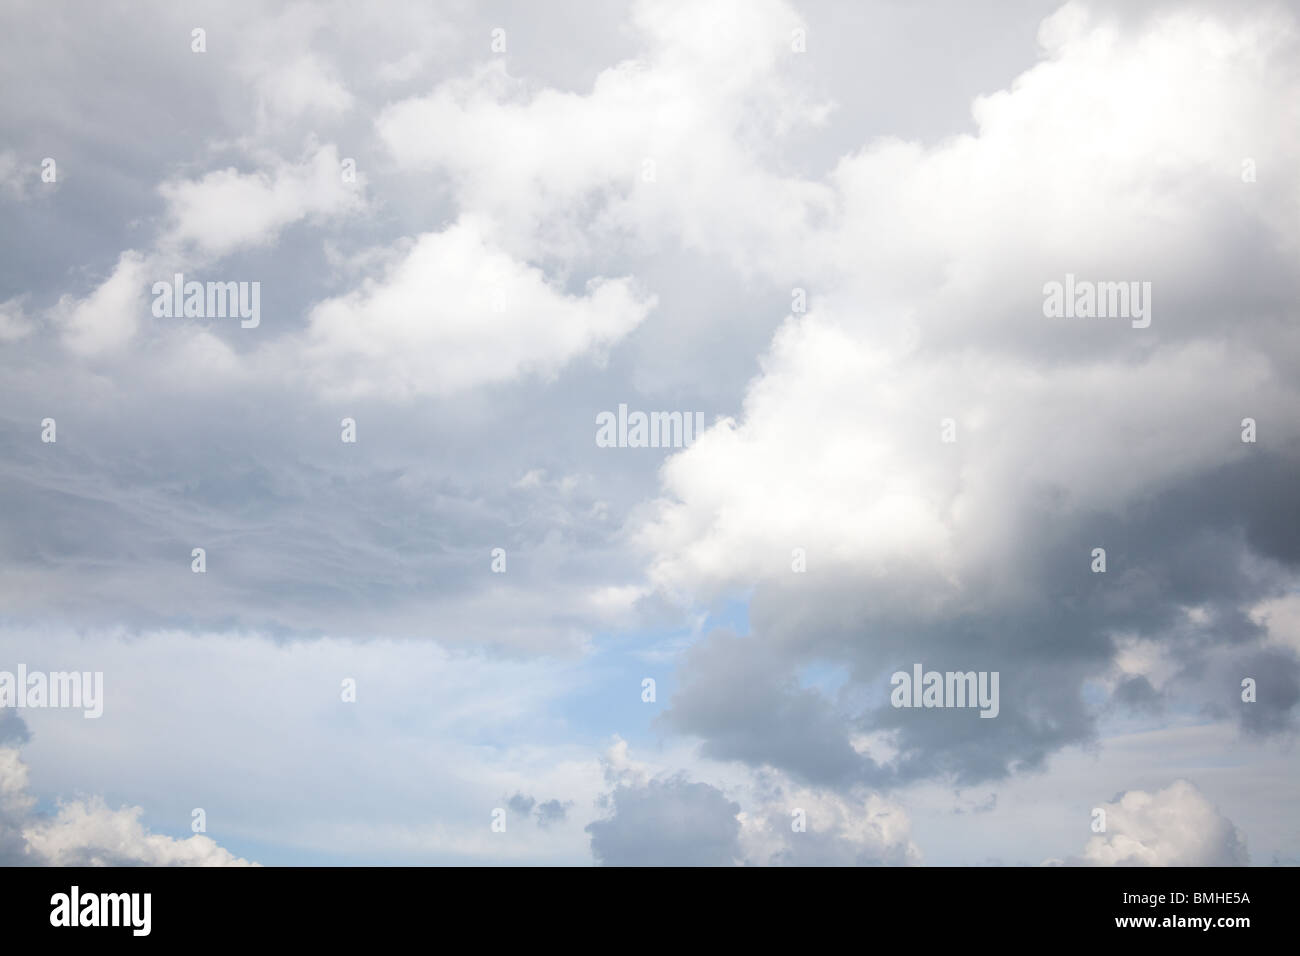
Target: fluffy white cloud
1176, 826
920, 257
227, 209
87, 832
106, 319
847, 438
858, 828
667, 145
454, 312
1281, 616
206, 219
929, 306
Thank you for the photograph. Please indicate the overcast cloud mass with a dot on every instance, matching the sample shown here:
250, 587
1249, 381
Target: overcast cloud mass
366, 581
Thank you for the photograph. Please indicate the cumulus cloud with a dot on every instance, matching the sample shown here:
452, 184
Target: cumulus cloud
666, 145
801, 826
1176, 826
104, 321
973, 552
872, 482
226, 209
454, 312
640, 211
668, 822
206, 219
85, 832
655, 817
89, 833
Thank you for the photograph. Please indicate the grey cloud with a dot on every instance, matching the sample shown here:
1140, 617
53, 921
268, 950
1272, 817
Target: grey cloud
13, 731
746, 705
1137, 694
183, 440
667, 822
548, 812
521, 804
551, 812
1200, 544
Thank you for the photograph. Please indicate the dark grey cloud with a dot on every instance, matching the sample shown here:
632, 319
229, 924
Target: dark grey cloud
1136, 693
745, 702
1201, 543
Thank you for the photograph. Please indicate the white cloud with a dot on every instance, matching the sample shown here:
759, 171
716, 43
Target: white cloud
86, 832
227, 209
302, 86
927, 304
847, 437
1176, 826
1135, 657
1281, 616
841, 829
106, 319
667, 145
456, 312
206, 218
436, 740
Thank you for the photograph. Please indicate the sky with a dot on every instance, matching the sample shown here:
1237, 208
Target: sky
363, 581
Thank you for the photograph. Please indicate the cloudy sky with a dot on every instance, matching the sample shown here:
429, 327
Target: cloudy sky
475, 635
